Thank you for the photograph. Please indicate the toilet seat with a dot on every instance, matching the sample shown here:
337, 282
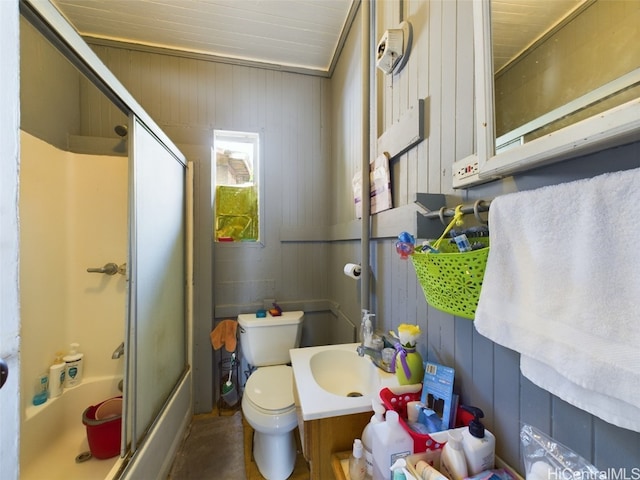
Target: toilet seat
270, 389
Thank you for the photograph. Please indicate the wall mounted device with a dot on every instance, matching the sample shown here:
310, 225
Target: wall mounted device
392, 51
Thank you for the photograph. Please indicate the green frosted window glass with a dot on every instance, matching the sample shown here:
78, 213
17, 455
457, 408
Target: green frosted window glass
236, 212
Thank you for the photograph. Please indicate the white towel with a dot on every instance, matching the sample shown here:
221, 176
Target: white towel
562, 287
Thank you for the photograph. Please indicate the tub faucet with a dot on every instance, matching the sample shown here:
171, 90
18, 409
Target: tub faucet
118, 352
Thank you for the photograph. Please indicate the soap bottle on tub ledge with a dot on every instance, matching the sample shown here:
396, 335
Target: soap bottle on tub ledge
56, 376
73, 366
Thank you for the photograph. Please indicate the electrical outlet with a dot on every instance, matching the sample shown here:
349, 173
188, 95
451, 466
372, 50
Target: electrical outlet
465, 172
467, 169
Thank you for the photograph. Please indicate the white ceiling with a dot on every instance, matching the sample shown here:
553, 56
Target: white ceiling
304, 34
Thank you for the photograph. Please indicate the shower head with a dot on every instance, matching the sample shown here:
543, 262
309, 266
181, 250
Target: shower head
121, 130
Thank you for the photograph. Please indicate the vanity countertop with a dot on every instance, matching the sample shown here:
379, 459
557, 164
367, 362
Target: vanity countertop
316, 402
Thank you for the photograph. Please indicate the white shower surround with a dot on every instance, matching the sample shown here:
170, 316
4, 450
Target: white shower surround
53, 434
74, 305
73, 215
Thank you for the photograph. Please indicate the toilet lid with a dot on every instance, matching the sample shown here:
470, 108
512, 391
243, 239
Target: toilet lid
271, 388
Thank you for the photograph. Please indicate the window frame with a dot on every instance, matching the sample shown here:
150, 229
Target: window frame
256, 139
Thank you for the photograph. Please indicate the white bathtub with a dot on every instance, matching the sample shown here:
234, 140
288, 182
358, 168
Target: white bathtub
53, 435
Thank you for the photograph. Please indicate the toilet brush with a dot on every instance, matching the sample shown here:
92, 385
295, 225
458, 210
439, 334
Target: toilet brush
229, 393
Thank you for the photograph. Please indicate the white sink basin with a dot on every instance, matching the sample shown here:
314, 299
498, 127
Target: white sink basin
333, 380
343, 372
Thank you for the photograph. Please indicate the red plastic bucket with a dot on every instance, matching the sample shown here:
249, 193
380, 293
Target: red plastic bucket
104, 435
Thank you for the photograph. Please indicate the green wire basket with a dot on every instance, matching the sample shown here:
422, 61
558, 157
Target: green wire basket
451, 281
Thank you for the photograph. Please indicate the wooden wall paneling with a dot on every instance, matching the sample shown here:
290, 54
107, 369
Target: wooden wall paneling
341, 287
244, 98
382, 304
464, 359
414, 89
447, 338
344, 126
535, 405
572, 426
413, 301
506, 404
167, 82
434, 335
615, 448
400, 297
448, 92
383, 81
185, 89
481, 392
285, 165
203, 72
204, 294
323, 156
435, 97
130, 67
421, 316
223, 107
420, 14
464, 108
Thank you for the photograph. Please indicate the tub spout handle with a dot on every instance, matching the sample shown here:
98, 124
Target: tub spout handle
109, 269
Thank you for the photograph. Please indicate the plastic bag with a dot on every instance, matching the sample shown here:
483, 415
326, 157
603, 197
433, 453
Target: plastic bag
546, 459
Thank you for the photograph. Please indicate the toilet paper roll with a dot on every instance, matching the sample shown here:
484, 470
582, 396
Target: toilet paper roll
352, 270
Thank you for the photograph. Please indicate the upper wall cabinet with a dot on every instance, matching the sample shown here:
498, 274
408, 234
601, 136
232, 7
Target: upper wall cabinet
554, 80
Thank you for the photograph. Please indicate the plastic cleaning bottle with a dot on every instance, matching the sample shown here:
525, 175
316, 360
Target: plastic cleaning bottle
73, 367
56, 376
367, 434
390, 442
478, 443
357, 465
452, 461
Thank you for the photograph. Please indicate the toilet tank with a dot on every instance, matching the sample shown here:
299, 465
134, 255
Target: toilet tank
266, 341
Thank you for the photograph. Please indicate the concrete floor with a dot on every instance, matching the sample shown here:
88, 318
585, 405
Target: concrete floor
196, 460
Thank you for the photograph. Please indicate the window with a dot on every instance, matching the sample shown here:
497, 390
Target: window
237, 190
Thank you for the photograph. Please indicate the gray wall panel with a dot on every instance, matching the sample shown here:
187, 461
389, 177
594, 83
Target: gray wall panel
189, 98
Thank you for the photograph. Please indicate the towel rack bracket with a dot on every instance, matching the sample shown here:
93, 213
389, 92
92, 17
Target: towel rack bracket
432, 209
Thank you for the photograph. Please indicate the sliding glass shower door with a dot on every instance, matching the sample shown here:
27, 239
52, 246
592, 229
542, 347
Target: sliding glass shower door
157, 326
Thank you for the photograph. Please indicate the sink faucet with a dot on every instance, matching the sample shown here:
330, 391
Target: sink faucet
118, 352
375, 356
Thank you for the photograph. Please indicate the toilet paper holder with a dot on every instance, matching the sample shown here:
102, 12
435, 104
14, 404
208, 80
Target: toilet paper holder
353, 270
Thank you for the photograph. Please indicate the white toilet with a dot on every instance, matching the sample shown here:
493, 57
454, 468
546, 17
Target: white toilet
267, 403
